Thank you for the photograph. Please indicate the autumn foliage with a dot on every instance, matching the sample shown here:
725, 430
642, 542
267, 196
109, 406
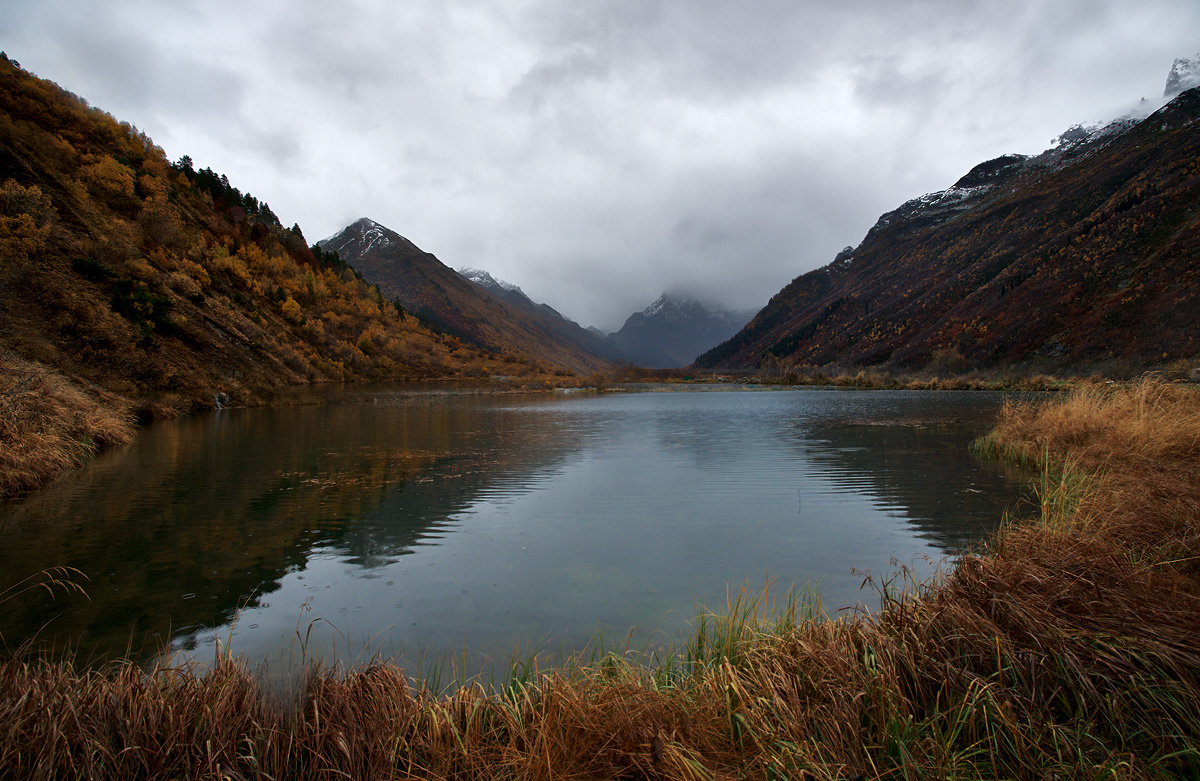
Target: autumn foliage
132, 277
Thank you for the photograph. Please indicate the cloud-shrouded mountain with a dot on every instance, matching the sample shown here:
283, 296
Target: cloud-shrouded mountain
673, 330
474, 307
1185, 74
1087, 255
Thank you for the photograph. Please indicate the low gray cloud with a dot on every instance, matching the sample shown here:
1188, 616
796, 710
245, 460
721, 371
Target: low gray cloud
599, 153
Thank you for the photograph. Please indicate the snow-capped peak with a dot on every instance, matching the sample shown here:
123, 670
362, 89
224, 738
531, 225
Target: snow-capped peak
656, 307
486, 280
363, 235
675, 306
374, 237
1185, 74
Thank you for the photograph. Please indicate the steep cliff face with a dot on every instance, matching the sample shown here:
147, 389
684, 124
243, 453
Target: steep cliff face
1184, 75
1085, 255
457, 305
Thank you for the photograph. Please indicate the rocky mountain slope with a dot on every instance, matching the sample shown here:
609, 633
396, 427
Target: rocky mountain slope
1086, 256
457, 305
673, 330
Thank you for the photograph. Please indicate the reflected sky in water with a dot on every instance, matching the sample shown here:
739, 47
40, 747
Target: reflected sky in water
408, 524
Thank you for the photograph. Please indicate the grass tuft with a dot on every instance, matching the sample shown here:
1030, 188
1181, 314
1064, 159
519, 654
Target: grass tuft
49, 425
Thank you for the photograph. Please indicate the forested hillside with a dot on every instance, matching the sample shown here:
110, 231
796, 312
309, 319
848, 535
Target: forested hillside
131, 283
1085, 258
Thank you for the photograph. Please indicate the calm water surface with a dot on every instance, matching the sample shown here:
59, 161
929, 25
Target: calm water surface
411, 524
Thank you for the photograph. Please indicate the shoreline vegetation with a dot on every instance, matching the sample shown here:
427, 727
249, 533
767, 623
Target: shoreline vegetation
50, 424
1069, 647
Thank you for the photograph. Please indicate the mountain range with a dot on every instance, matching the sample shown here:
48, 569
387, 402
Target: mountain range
668, 334
158, 284
498, 318
1085, 257
153, 284
473, 305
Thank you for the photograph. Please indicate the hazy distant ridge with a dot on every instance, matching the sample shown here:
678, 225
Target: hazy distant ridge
674, 329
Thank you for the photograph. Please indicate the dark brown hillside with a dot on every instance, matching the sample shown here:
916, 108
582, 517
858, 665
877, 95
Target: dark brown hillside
444, 298
137, 283
1086, 257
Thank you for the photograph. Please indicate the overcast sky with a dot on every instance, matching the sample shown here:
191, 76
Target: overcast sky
596, 153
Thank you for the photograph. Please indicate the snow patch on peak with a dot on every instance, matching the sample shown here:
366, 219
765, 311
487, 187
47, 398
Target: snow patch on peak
681, 306
1185, 74
656, 307
373, 235
363, 227
951, 196
485, 279
938, 206
1078, 135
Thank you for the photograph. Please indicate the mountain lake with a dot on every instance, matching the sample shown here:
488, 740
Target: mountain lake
439, 527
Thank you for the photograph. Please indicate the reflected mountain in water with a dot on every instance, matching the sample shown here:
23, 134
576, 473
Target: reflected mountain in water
432, 521
204, 516
905, 467
910, 457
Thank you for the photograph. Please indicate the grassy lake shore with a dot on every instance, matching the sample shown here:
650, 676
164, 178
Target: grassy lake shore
1069, 648
49, 425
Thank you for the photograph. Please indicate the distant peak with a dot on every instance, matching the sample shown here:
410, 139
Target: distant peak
670, 301
678, 303
1185, 74
656, 307
364, 234
484, 278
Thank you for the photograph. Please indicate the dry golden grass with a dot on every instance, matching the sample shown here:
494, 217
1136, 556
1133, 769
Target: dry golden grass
1070, 649
1147, 420
48, 425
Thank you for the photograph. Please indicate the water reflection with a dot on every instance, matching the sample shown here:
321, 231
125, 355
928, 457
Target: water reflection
204, 516
410, 523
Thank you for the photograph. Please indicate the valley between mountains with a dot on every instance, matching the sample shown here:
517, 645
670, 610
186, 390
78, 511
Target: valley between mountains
133, 286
